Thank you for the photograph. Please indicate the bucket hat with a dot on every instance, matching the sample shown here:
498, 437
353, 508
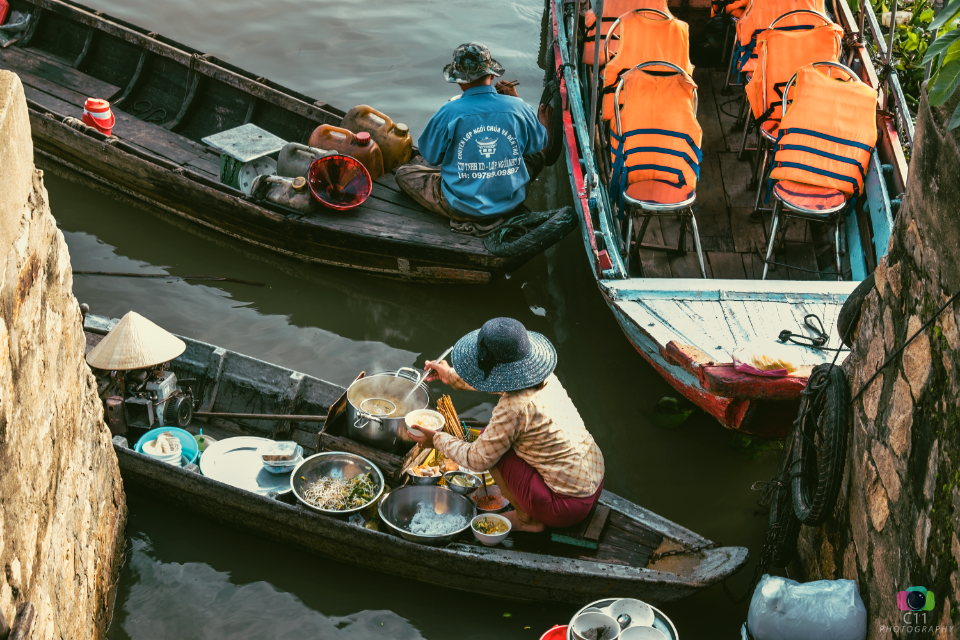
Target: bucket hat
471, 61
97, 114
503, 356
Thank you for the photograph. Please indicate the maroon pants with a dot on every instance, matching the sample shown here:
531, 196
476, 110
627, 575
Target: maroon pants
537, 499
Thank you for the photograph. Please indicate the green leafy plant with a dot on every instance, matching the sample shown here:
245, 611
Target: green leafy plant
944, 53
910, 44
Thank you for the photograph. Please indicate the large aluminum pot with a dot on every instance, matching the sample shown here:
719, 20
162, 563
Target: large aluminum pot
386, 432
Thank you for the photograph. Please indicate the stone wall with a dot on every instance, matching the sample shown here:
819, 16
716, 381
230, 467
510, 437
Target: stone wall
62, 506
897, 521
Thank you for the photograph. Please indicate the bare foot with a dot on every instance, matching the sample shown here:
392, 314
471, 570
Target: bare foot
517, 524
545, 115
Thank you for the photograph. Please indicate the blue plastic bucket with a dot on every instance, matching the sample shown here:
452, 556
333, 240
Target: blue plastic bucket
189, 449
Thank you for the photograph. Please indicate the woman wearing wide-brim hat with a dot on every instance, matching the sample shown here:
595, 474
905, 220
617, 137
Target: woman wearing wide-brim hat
536, 446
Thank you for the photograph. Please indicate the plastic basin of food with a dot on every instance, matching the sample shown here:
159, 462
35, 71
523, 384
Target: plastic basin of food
188, 444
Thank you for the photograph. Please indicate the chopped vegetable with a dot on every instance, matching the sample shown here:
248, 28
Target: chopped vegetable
337, 494
490, 526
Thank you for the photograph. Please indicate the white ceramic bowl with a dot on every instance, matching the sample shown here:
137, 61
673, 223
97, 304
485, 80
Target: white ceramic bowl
642, 633
641, 615
428, 414
586, 621
488, 539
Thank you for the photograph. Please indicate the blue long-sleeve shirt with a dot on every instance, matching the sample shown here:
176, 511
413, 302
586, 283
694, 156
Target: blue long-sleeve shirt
479, 142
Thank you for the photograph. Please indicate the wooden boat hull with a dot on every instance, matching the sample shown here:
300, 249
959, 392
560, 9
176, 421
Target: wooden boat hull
166, 98
688, 329
506, 574
231, 382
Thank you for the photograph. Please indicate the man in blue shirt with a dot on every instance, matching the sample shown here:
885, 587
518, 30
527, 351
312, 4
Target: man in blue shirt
488, 143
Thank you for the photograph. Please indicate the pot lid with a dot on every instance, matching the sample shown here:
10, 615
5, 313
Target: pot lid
135, 343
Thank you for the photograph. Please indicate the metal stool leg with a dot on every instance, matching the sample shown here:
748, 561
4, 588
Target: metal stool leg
696, 241
773, 238
733, 58
836, 239
682, 242
746, 133
760, 181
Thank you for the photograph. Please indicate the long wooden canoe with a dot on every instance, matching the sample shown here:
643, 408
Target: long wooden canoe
687, 327
166, 97
625, 561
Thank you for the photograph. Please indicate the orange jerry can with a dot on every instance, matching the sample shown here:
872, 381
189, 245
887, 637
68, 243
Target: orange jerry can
394, 139
360, 146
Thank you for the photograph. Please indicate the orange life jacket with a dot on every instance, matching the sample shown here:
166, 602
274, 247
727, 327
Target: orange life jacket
661, 137
613, 9
780, 54
645, 37
760, 15
828, 133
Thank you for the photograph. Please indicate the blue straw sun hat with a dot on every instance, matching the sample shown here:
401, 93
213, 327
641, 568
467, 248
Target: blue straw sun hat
503, 356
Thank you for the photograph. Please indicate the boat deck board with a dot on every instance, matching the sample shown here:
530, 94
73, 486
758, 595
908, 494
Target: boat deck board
733, 245
51, 82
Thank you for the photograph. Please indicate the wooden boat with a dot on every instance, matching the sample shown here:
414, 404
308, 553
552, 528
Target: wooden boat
687, 327
624, 562
166, 97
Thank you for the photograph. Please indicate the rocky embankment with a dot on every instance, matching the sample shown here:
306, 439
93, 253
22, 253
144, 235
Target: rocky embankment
62, 506
898, 518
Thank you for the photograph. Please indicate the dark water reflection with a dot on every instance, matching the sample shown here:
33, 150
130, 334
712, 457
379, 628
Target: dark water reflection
189, 578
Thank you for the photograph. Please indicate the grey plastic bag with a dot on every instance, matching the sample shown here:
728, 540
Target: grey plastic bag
783, 609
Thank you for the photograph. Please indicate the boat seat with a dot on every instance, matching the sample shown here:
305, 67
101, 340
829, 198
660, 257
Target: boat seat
652, 194
825, 144
612, 10
656, 156
810, 201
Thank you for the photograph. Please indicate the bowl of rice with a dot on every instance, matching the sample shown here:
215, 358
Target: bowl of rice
426, 514
423, 418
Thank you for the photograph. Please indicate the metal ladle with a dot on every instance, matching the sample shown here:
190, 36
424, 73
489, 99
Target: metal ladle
423, 374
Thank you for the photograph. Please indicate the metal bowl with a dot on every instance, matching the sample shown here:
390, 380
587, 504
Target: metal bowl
424, 480
400, 505
325, 464
464, 491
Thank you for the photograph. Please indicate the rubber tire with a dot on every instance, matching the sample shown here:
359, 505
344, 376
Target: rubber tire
553, 226
781, 512
828, 417
849, 316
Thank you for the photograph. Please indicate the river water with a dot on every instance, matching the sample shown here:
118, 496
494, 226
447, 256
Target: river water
185, 577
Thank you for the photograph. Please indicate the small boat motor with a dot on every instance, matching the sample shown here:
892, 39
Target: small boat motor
159, 401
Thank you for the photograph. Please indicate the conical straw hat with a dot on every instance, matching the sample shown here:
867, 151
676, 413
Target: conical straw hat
135, 343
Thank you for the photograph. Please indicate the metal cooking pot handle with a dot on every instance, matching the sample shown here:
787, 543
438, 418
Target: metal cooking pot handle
369, 419
416, 373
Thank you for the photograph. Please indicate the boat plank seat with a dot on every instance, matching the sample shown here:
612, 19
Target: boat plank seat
63, 90
587, 532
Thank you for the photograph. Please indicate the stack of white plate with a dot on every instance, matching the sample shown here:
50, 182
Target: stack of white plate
174, 457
